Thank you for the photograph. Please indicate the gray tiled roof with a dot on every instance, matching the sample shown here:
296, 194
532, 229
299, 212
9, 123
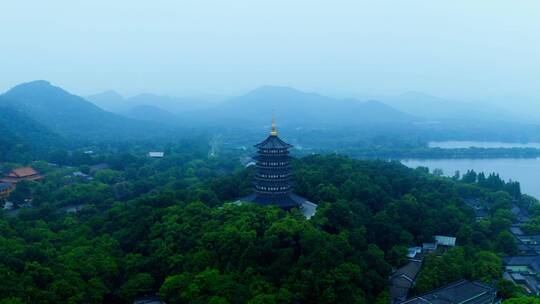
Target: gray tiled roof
463, 292
533, 261
402, 280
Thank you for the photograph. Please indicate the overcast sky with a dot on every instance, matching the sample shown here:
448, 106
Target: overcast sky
455, 48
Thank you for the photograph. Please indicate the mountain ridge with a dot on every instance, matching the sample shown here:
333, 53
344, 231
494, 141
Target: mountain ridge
295, 107
71, 115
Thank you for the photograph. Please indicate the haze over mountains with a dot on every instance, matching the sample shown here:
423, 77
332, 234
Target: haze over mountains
38, 111
298, 109
284, 101
114, 102
293, 107
432, 107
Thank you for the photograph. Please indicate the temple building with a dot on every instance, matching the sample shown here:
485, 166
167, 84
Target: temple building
20, 174
273, 184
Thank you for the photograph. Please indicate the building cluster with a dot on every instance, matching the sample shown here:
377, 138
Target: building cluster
9, 182
402, 280
524, 269
466, 292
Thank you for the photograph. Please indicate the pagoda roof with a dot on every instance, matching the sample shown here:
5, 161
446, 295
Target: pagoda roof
273, 142
286, 201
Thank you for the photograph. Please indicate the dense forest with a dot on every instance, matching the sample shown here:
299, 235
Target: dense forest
171, 227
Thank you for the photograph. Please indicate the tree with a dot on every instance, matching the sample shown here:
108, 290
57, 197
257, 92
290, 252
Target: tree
397, 256
487, 267
174, 288
522, 300
438, 271
438, 172
507, 289
168, 222
107, 176
532, 226
506, 243
140, 284
469, 177
60, 157
22, 192
11, 301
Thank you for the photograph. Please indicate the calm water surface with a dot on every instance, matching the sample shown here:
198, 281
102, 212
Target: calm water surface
480, 144
524, 170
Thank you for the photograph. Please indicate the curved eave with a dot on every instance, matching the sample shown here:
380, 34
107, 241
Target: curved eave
273, 142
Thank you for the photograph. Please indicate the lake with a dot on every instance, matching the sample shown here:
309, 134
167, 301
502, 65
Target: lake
524, 170
480, 144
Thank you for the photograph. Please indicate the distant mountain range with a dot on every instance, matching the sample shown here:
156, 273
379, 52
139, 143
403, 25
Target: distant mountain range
287, 103
294, 108
436, 108
113, 102
72, 116
38, 114
291, 107
151, 113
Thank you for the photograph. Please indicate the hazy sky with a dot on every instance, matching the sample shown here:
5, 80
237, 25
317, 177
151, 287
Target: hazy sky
454, 48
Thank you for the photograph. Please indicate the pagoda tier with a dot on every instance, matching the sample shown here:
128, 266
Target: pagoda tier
273, 184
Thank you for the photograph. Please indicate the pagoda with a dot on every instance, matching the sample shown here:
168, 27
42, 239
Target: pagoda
272, 184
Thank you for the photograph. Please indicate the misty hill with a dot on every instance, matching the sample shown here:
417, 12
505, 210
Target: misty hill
116, 103
22, 137
432, 107
150, 113
109, 101
296, 109
169, 104
71, 115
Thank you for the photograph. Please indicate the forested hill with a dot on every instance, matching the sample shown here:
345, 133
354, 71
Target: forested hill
73, 117
165, 226
22, 139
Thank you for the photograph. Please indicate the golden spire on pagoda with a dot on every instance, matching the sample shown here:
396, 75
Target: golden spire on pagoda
274, 131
